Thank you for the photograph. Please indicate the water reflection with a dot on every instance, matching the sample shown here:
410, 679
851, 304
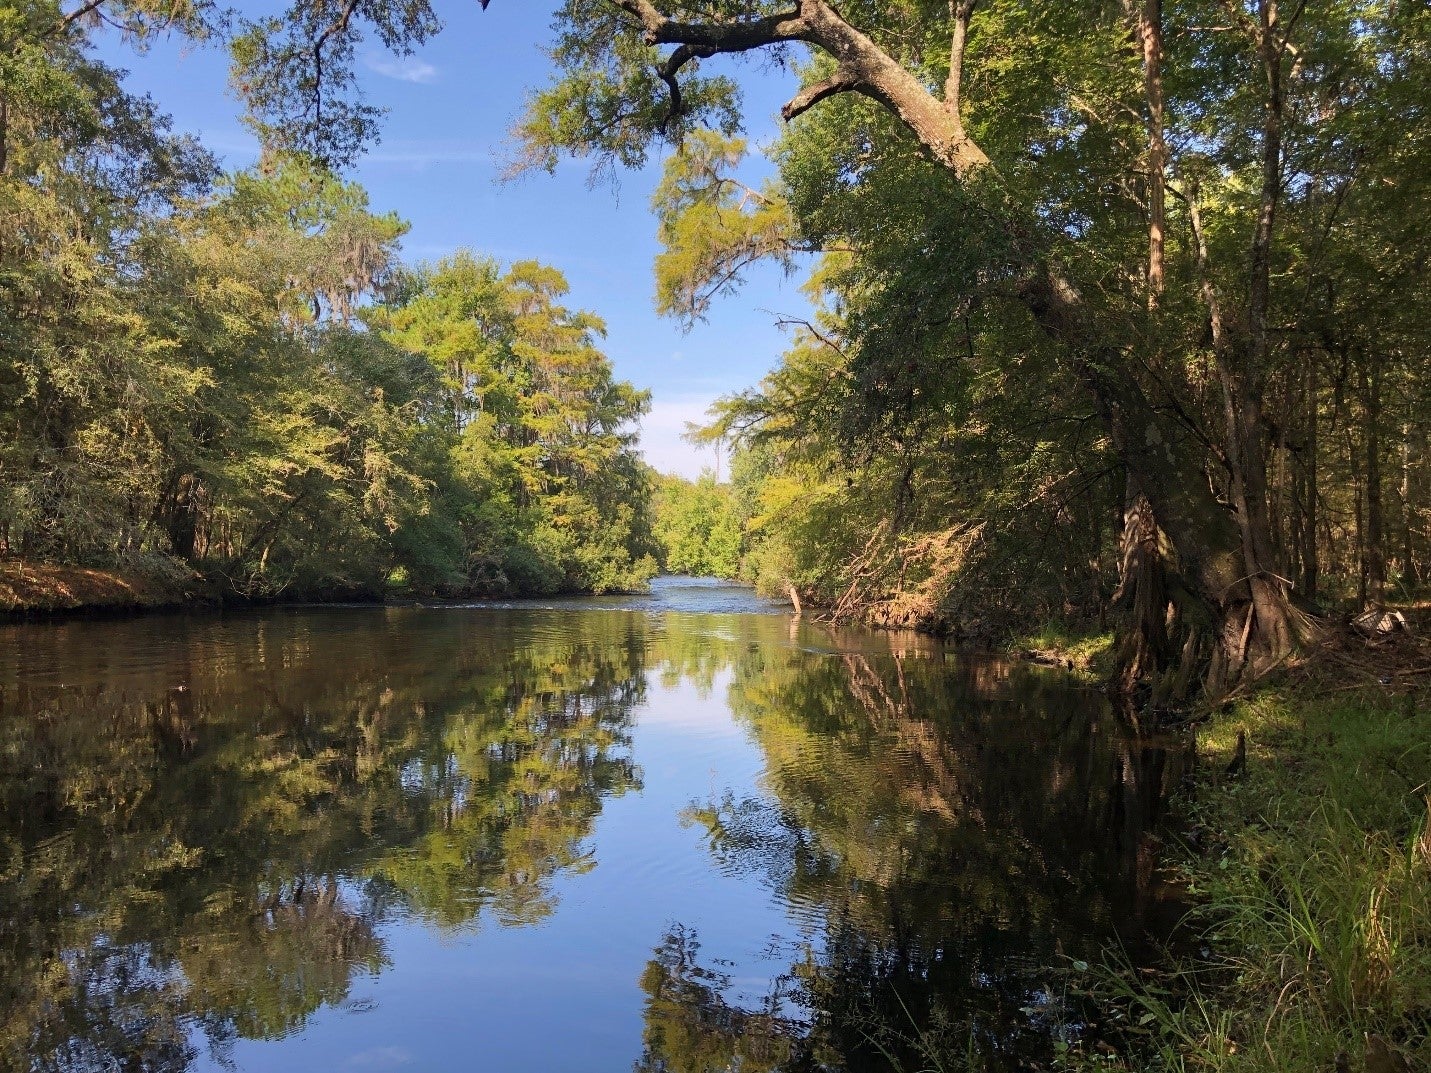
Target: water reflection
956, 833
213, 829
208, 828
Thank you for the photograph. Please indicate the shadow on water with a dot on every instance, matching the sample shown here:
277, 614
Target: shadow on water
208, 824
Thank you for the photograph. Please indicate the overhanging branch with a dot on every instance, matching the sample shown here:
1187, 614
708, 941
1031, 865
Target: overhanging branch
670, 67
842, 81
717, 36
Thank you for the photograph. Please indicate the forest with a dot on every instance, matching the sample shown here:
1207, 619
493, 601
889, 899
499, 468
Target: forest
236, 375
1118, 325
1118, 321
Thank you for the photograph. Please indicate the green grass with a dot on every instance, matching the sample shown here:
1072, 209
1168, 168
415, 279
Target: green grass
1313, 886
1091, 651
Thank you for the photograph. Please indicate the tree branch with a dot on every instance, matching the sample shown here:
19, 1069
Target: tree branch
719, 36
74, 16
960, 11
338, 25
860, 63
842, 81
670, 67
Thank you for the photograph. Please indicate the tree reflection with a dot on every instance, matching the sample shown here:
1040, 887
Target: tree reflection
214, 845
692, 1027
204, 831
959, 832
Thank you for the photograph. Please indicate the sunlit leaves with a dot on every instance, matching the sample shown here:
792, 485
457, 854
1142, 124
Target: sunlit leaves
544, 482
609, 103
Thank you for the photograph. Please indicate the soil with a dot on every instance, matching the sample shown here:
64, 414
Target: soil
29, 588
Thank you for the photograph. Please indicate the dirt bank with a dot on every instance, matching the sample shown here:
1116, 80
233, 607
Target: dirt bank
35, 589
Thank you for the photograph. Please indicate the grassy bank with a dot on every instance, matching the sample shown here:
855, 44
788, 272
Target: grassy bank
1312, 872
1085, 649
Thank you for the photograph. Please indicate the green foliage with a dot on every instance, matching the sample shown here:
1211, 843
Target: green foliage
930, 453
698, 525
542, 480
295, 73
610, 102
1313, 895
712, 227
239, 375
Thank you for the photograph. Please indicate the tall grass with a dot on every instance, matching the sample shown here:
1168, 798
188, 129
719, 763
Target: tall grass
1313, 877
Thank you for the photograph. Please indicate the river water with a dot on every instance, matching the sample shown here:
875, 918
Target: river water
680, 832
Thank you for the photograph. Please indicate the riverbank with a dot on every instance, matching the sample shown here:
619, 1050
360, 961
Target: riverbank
30, 590
1087, 652
1309, 856
41, 589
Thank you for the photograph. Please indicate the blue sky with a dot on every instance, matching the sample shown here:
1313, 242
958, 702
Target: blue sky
445, 140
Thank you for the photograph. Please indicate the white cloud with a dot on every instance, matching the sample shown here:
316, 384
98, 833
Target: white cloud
661, 441
403, 68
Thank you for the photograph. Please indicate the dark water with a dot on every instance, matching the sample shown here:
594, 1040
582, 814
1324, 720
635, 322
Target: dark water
679, 832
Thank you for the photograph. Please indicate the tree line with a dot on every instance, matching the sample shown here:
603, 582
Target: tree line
1118, 300
237, 373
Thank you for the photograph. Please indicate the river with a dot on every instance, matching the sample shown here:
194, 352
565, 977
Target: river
679, 832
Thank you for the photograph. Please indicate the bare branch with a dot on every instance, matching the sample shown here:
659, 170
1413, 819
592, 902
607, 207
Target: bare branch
822, 337
670, 67
79, 13
860, 63
66, 21
842, 81
961, 11
338, 25
718, 36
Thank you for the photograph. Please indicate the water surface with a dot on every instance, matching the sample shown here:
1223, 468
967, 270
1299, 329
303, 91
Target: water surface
677, 832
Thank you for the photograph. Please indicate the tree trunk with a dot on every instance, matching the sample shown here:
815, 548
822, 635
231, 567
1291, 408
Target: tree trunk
1147, 16
1374, 544
181, 516
1142, 589
1307, 496
1413, 500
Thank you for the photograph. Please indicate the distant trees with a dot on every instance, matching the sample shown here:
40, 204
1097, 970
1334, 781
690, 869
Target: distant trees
542, 485
698, 526
237, 372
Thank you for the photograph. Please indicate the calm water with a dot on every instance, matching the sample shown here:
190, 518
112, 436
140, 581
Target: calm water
679, 832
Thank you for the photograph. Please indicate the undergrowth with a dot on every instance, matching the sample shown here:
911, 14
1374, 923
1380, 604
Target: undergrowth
1312, 872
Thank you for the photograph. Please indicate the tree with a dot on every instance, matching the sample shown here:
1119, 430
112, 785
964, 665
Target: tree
1080, 182
543, 482
697, 525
